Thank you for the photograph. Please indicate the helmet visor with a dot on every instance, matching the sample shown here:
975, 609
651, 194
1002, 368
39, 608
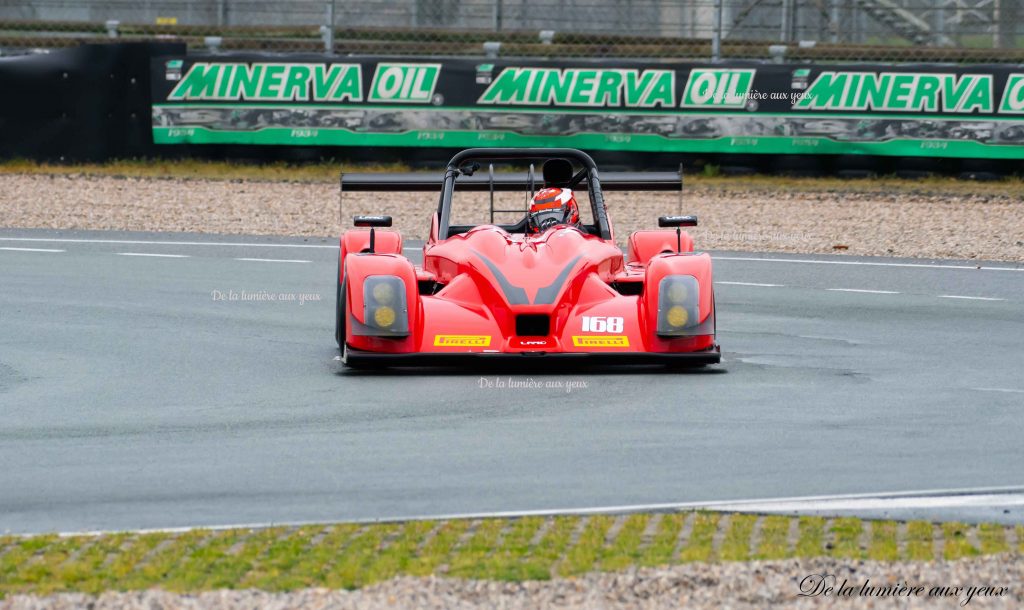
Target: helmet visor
543, 219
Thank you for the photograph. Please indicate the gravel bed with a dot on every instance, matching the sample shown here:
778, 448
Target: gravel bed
723, 585
860, 220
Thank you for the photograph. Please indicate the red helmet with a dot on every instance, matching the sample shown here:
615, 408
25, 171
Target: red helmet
550, 207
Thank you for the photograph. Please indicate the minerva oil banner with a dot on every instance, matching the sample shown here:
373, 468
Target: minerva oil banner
924, 110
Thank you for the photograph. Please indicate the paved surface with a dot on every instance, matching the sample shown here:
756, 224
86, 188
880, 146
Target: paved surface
131, 397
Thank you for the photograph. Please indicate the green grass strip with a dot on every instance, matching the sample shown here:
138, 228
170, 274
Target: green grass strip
154, 569
846, 532
277, 560
39, 568
659, 551
122, 562
231, 567
624, 550
581, 557
430, 557
540, 561
466, 560
507, 563
395, 558
811, 541
736, 544
774, 538
956, 543
349, 572
16, 556
992, 538
1020, 538
189, 573
528, 548
883, 545
919, 541
307, 567
699, 547
77, 574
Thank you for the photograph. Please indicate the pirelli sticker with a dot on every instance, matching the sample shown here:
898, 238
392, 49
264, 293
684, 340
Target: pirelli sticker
462, 340
600, 341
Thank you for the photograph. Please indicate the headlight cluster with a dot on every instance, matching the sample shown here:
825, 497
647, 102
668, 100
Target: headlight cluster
678, 305
384, 306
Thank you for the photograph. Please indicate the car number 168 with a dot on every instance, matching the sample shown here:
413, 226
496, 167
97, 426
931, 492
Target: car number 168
602, 324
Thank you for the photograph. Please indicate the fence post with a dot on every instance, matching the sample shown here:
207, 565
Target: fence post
1006, 15
784, 32
329, 32
833, 18
716, 34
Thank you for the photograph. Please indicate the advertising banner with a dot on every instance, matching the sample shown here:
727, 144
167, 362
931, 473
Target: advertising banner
732, 108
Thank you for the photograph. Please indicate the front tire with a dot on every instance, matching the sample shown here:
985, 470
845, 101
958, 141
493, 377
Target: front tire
348, 361
340, 311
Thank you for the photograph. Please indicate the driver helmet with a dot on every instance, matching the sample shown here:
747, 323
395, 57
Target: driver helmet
552, 206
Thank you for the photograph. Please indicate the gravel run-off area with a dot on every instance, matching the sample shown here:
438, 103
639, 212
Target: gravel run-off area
861, 219
988, 582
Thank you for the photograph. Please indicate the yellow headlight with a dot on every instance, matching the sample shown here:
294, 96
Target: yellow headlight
384, 317
677, 316
677, 293
384, 293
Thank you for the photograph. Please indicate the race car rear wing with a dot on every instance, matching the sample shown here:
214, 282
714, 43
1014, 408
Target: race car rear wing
498, 182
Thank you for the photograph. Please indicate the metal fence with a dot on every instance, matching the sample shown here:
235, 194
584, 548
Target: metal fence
795, 30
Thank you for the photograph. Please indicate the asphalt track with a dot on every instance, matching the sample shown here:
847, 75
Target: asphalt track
132, 397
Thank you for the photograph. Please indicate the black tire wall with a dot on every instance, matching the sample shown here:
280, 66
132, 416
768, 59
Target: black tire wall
86, 103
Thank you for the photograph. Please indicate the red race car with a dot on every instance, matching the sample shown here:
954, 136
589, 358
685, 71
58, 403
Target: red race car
551, 283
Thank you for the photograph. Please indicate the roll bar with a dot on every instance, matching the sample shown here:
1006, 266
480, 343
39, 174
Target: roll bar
490, 182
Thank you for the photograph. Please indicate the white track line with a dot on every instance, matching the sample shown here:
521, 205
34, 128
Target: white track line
1003, 390
273, 260
334, 246
957, 296
152, 254
876, 504
864, 263
165, 243
32, 250
751, 284
1009, 491
860, 290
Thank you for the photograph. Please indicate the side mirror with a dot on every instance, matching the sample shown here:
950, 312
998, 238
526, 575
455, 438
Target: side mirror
372, 221
677, 221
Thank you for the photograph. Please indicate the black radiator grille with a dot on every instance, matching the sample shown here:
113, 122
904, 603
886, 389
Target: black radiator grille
533, 325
